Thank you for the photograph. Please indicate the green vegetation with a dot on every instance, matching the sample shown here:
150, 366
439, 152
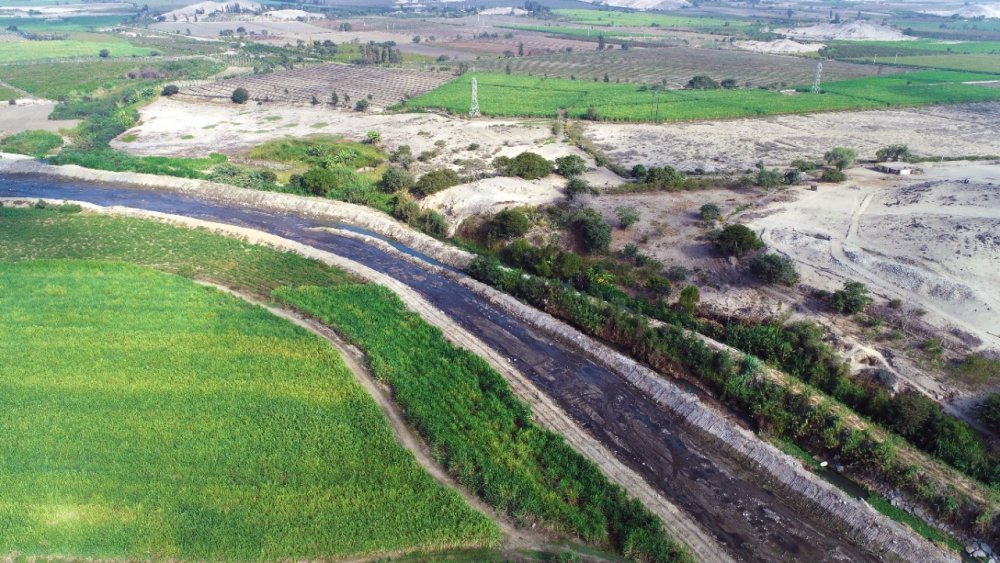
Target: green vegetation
32, 143
62, 25
435, 181
971, 63
479, 431
852, 299
7, 94
977, 369
518, 95
774, 268
17, 51
249, 440
527, 165
594, 231
840, 157
710, 212
319, 150
988, 411
57, 80
577, 32
879, 503
643, 19
736, 240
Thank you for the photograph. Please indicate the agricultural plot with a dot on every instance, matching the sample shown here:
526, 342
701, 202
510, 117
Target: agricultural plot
53, 80
241, 437
62, 25
642, 19
16, 51
672, 67
383, 86
971, 63
7, 93
505, 95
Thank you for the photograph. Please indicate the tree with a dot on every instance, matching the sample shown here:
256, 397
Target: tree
317, 181
832, 175
688, 299
571, 165
594, 231
508, 224
840, 157
803, 165
361, 105
729, 84
853, 298
702, 82
710, 212
893, 152
578, 187
792, 176
334, 99
240, 95
774, 268
104, 53
435, 181
768, 178
988, 412
395, 180
416, 39
627, 216
169, 90
601, 44
737, 240
591, 114
527, 165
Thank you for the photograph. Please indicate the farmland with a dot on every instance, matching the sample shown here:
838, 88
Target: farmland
971, 63
504, 95
672, 67
14, 51
576, 31
248, 440
383, 86
53, 80
635, 19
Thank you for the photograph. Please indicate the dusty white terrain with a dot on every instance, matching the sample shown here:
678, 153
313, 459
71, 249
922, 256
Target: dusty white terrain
30, 114
948, 131
779, 47
855, 30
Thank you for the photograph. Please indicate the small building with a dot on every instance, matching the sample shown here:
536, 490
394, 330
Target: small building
897, 168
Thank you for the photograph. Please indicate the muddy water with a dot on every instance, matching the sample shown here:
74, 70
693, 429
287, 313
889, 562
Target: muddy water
756, 521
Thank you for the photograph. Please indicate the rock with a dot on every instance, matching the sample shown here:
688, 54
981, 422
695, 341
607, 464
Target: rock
979, 554
823, 464
970, 548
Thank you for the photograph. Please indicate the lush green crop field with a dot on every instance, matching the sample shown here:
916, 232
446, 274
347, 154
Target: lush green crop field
646, 19
936, 45
575, 31
146, 416
15, 51
53, 80
971, 63
74, 23
7, 94
511, 95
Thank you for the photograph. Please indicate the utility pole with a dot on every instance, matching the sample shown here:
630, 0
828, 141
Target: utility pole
474, 108
819, 77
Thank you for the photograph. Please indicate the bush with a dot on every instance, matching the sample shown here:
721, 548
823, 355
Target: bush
729, 84
432, 223
169, 90
833, 175
688, 299
508, 224
395, 179
978, 369
627, 216
31, 143
317, 181
240, 95
593, 230
702, 82
737, 240
571, 165
840, 157
803, 165
710, 212
768, 178
893, 152
104, 53
361, 105
988, 412
435, 181
578, 187
852, 299
792, 176
527, 165
774, 268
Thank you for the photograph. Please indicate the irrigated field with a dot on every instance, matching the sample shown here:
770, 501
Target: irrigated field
637, 19
54, 80
383, 86
505, 95
146, 416
13, 51
672, 67
972, 63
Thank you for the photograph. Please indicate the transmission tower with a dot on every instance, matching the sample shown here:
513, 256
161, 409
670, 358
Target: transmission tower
818, 79
474, 109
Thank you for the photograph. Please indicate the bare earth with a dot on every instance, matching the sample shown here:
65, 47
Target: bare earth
30, 114
955, 130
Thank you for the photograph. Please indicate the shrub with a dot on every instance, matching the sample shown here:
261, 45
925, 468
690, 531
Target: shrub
677, 273
792, 176
508, 224
833, 175
578, 187
893, 152
853, 298
104, 53
32, 143
627, 216
571, 165
702, 82
774, 268
736, 240
317, 181
688, 299
435, 181
664, 177
361, 105
566, 265
840, 157
978, 369
169, 90
594, 231
395, 179
240, 95
527, 165
988, 412
710, 212
659, 286
803, 165
432, 223
768, 178
402, 156
728, 83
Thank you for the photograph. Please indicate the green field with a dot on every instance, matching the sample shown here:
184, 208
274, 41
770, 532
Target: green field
970, 63
888, 48
486, 438
17, 51
645, 19
7, 94
146, 416
576, 31
54, 80
511, 95
73, 23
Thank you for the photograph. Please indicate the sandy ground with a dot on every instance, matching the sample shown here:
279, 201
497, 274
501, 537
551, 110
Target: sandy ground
779, 47
855, 30
30, 114
932, 240
954, 130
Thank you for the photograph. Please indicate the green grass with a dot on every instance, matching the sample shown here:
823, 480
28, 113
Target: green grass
476, 427
645, 19
575, 31
316, 150
74, 23
936, 45
971, 63
879, 503
8, 94
146, 416
32, 143
54, 80
507, 95
121, 161
18, 51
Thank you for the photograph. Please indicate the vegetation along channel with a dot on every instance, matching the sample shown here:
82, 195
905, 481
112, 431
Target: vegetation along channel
758, 520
